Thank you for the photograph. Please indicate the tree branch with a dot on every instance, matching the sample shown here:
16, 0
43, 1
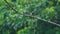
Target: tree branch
31, 15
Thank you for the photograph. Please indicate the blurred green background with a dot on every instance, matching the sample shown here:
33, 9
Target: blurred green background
12, 22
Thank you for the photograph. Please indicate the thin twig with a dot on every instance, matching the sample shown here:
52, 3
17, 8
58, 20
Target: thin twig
8, 4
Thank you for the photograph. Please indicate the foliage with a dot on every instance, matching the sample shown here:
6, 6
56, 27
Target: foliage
14, 21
